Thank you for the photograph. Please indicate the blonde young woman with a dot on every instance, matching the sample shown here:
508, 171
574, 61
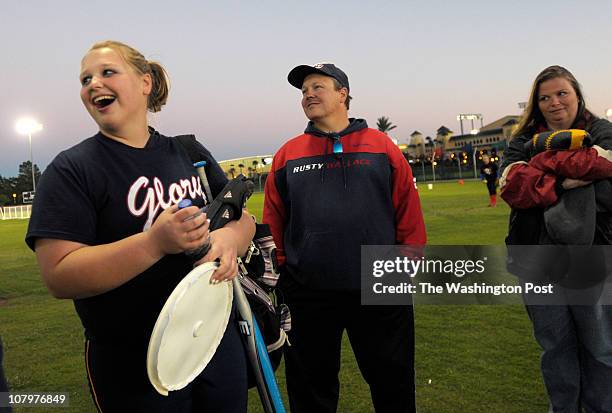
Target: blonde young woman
108, 234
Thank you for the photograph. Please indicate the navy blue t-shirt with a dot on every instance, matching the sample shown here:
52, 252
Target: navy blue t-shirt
100, 191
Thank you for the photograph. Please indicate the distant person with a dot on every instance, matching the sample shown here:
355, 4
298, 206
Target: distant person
108, 234
576, 340
332, 189
488, 173
3, 384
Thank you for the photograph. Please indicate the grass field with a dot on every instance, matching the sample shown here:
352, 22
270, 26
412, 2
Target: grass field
468, 358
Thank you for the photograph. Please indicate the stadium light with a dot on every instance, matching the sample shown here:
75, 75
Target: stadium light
609, 114
27, 126
471, 117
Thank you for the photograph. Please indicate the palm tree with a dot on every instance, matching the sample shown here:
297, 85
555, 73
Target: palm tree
255, 169
384, 125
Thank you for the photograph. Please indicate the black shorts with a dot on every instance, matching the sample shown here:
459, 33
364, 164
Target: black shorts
119, 383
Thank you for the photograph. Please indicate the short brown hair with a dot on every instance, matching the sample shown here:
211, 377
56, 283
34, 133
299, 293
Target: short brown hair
338, 86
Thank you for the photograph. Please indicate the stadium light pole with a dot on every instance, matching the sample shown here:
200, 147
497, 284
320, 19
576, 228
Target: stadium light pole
423, 166
459, 165
27, 126
471, 117
423, 159
433, 157
267, 160
474, 132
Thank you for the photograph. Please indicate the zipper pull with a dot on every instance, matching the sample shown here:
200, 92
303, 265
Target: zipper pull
253, 250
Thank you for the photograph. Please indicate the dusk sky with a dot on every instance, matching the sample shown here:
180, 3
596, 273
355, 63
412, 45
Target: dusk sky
419, 62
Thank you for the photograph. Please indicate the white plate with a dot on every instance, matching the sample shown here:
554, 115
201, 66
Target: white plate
188, 330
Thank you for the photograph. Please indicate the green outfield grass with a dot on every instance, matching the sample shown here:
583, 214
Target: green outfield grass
468, 358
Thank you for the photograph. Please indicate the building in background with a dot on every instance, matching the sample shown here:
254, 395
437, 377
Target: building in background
248, 166
254, 167
449, 156
492, 138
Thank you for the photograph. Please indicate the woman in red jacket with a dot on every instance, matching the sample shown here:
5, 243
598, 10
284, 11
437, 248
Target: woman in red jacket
576, 339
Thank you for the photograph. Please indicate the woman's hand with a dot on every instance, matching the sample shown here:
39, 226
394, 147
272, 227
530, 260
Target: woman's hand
175, 231
569, 183
224, 248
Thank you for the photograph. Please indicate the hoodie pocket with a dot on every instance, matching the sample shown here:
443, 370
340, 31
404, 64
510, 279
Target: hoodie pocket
331, 260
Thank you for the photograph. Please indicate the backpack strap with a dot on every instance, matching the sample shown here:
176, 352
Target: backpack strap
189, 143
197, 153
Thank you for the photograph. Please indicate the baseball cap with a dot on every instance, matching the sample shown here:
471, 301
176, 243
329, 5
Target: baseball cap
298, 74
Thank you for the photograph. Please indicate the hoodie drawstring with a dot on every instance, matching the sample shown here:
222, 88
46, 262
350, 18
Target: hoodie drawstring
324, 161
338, 152
354, 126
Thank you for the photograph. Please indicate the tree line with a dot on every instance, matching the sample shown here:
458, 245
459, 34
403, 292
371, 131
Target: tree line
17, 185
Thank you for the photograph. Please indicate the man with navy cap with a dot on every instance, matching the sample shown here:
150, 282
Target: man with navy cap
332, 189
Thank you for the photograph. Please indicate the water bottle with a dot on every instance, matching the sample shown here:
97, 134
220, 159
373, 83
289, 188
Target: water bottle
200, 252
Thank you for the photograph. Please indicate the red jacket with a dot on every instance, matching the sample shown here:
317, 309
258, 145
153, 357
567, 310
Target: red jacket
532, 182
